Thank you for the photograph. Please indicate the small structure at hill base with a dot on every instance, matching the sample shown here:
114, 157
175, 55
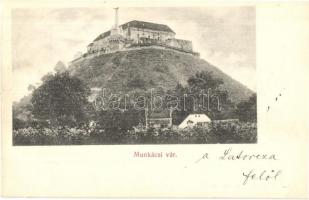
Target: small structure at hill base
194, 119
134, 35
162, 119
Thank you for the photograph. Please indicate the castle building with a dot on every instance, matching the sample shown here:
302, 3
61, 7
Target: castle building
137, 34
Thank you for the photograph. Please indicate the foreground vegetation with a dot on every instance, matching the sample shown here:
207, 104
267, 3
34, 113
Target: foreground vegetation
59, 112
214, 132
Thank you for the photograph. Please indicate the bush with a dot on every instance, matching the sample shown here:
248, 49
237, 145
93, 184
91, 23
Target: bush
234, 132
48, 136
212, 133
18, 123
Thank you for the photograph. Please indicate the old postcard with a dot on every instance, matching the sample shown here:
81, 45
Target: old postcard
144, 99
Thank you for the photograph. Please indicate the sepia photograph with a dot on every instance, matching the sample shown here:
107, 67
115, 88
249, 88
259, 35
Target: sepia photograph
134, 75
154, 99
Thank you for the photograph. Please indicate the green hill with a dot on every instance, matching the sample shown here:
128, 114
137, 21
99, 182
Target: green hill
150, 68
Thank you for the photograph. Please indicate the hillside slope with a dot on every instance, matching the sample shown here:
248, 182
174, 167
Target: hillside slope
150, 68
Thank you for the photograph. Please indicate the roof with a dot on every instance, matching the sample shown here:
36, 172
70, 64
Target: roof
194, 119
147, 25
159, 114
140, 25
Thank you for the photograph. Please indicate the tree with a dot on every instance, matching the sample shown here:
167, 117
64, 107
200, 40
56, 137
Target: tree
31, 87
123, 115
246, 110
60, 67
203, 81
47, 77
61, 99
204, 94
119, 121
22, 112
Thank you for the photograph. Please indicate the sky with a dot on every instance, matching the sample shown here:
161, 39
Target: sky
224, 36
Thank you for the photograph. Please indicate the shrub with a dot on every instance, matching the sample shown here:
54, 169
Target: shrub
48, 136
214, 132
234, 132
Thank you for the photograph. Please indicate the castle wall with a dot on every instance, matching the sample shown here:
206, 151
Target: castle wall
138, 47
132, 36
136, 34
185, 45
100, 45
114, 46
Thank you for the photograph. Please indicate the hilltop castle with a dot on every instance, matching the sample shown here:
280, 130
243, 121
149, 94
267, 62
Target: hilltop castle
135, 35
